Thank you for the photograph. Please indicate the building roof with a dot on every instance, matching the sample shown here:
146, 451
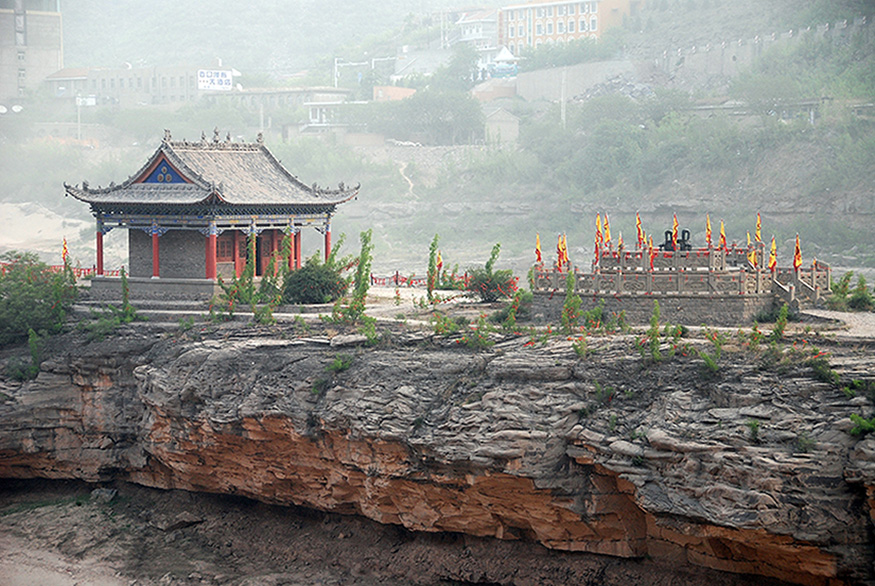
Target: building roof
69, 73
214, 173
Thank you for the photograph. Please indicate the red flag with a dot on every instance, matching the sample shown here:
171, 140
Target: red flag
797, 255
538, 247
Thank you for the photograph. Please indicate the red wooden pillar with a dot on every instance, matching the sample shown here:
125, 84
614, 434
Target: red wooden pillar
238, 256
156, 267
298, 249
211, 252
291, 251
274, 249
99, 235
327, 241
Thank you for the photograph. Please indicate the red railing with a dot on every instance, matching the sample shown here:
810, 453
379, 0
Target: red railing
78, 272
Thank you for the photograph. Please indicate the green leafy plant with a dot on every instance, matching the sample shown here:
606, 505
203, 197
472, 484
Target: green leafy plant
443, 325
491, 284
861, 297
340, 363
862, 426
477, 338
648, 345
32, 297
314, 283
432, 275
571, 306
21, 370
580, 347
354, 309
753, 427
780, 323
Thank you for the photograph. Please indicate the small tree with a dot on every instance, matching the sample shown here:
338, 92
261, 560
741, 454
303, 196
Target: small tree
489, 284
32, 297
432, 275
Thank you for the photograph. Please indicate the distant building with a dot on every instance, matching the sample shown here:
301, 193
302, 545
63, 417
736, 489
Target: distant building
479, 29
531, 24
30, 45
131, 87
390, 93
502, 127
271, 99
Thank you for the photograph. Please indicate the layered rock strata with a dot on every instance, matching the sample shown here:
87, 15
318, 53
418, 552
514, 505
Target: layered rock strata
748, 469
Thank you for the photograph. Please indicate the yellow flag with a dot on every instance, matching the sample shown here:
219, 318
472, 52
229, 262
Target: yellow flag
773, 256
758, 235
708, 229
607, 230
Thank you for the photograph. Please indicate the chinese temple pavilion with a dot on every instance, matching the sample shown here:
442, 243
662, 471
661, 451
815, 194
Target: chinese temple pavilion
190, 209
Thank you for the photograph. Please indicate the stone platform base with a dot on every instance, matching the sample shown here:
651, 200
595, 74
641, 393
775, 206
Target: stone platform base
110, 289
687, 309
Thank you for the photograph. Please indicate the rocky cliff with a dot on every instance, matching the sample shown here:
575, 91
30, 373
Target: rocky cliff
746, 468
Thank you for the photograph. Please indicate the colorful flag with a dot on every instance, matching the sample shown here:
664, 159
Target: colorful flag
752, 253
708, 230
722, 243
440, 262
773, 256
797, 255
674, 233
607, 230
538, 247
565, 249
64, 253
620, 241
559, 256
640, 230
652, 253
599, 238
758, 235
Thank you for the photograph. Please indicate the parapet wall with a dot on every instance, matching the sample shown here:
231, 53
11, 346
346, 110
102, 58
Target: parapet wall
687, 309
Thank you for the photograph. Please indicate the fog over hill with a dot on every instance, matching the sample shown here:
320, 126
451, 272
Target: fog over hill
277, 36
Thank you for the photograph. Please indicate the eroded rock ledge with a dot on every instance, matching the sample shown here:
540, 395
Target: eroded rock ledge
605, 454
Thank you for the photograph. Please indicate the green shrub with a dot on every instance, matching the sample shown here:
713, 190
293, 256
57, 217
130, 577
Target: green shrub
861, 297
571, 307
340, 363
489, 284
477, 338
32, 297
780, 323
315, 282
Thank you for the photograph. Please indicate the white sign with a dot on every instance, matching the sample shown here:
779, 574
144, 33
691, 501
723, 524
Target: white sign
214, 79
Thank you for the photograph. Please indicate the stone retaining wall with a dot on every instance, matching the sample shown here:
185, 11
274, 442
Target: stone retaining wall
694, 310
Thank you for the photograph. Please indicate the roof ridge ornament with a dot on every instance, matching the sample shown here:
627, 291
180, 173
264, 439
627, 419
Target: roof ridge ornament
203, 137
260, 138
216, 135
166, 135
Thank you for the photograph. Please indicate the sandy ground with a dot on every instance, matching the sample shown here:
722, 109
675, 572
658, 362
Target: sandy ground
23, 565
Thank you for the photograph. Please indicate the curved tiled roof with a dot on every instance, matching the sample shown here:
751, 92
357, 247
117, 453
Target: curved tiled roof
237, 174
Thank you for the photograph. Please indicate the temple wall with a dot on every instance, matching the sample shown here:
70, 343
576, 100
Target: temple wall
687, 309
181, 254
